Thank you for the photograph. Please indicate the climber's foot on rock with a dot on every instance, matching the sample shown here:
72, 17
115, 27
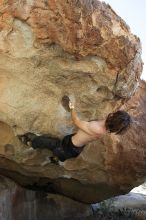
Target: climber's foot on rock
49, 160
54, 160
27, 138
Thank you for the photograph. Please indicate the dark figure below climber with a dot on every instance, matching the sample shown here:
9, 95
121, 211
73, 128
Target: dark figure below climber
72, 145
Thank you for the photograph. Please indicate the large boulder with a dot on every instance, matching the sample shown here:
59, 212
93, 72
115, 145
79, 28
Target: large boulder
84, 50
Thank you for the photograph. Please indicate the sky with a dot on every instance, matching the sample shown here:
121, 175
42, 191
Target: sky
133, 12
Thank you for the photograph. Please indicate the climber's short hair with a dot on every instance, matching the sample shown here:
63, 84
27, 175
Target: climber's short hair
118, 122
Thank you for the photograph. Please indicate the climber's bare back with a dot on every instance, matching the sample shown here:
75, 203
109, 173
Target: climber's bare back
90, 131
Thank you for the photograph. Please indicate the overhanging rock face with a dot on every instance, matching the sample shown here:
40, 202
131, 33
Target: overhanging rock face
82, 49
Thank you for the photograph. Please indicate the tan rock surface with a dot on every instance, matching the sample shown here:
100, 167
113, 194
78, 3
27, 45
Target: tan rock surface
82, 49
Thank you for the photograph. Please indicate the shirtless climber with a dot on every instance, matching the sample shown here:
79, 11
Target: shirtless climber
72, 145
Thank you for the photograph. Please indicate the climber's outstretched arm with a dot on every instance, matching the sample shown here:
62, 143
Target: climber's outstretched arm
83, 125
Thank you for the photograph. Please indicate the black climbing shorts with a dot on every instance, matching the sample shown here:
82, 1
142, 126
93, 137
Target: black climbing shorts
63, 149
69, 148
